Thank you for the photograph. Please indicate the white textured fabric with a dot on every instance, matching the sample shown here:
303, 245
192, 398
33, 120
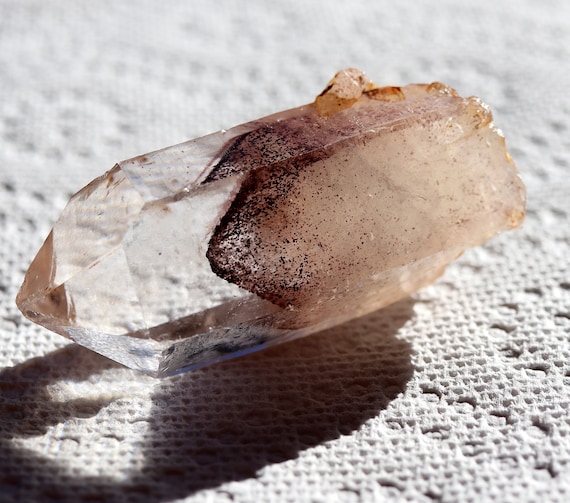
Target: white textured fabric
461, 393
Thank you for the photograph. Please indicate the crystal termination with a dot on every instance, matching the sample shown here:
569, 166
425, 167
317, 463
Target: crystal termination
274, 229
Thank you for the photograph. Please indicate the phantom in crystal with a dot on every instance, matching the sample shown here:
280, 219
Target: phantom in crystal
274, 229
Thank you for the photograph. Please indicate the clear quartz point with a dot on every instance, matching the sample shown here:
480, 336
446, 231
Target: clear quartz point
274, 229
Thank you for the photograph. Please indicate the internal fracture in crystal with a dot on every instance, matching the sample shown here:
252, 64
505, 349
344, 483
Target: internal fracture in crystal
274, 229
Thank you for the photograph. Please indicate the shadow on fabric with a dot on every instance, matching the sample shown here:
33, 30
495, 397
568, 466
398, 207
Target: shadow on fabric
219, 424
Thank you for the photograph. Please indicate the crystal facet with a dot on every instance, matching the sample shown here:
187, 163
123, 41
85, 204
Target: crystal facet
276, 228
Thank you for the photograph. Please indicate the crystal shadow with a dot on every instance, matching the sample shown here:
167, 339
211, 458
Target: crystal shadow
27, 410
230, 422
226, 422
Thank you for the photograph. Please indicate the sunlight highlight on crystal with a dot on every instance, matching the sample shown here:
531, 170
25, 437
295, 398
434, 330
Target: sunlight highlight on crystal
274, 229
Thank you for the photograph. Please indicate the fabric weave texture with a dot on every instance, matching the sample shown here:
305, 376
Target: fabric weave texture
460, 393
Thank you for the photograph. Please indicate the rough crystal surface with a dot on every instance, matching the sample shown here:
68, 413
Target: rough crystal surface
276, 228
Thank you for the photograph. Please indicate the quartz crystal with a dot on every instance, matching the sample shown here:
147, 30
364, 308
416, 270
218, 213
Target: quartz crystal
274, 229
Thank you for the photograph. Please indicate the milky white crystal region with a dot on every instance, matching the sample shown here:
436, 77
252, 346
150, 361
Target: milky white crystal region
276, 228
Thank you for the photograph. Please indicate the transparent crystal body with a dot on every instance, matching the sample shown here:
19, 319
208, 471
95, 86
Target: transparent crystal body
274, 229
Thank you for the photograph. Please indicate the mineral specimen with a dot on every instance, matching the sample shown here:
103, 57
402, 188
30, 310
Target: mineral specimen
276, 228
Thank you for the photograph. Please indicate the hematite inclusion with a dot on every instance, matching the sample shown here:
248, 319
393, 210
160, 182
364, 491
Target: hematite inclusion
274, 229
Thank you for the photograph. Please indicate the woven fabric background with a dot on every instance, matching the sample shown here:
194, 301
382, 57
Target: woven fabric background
458, 394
